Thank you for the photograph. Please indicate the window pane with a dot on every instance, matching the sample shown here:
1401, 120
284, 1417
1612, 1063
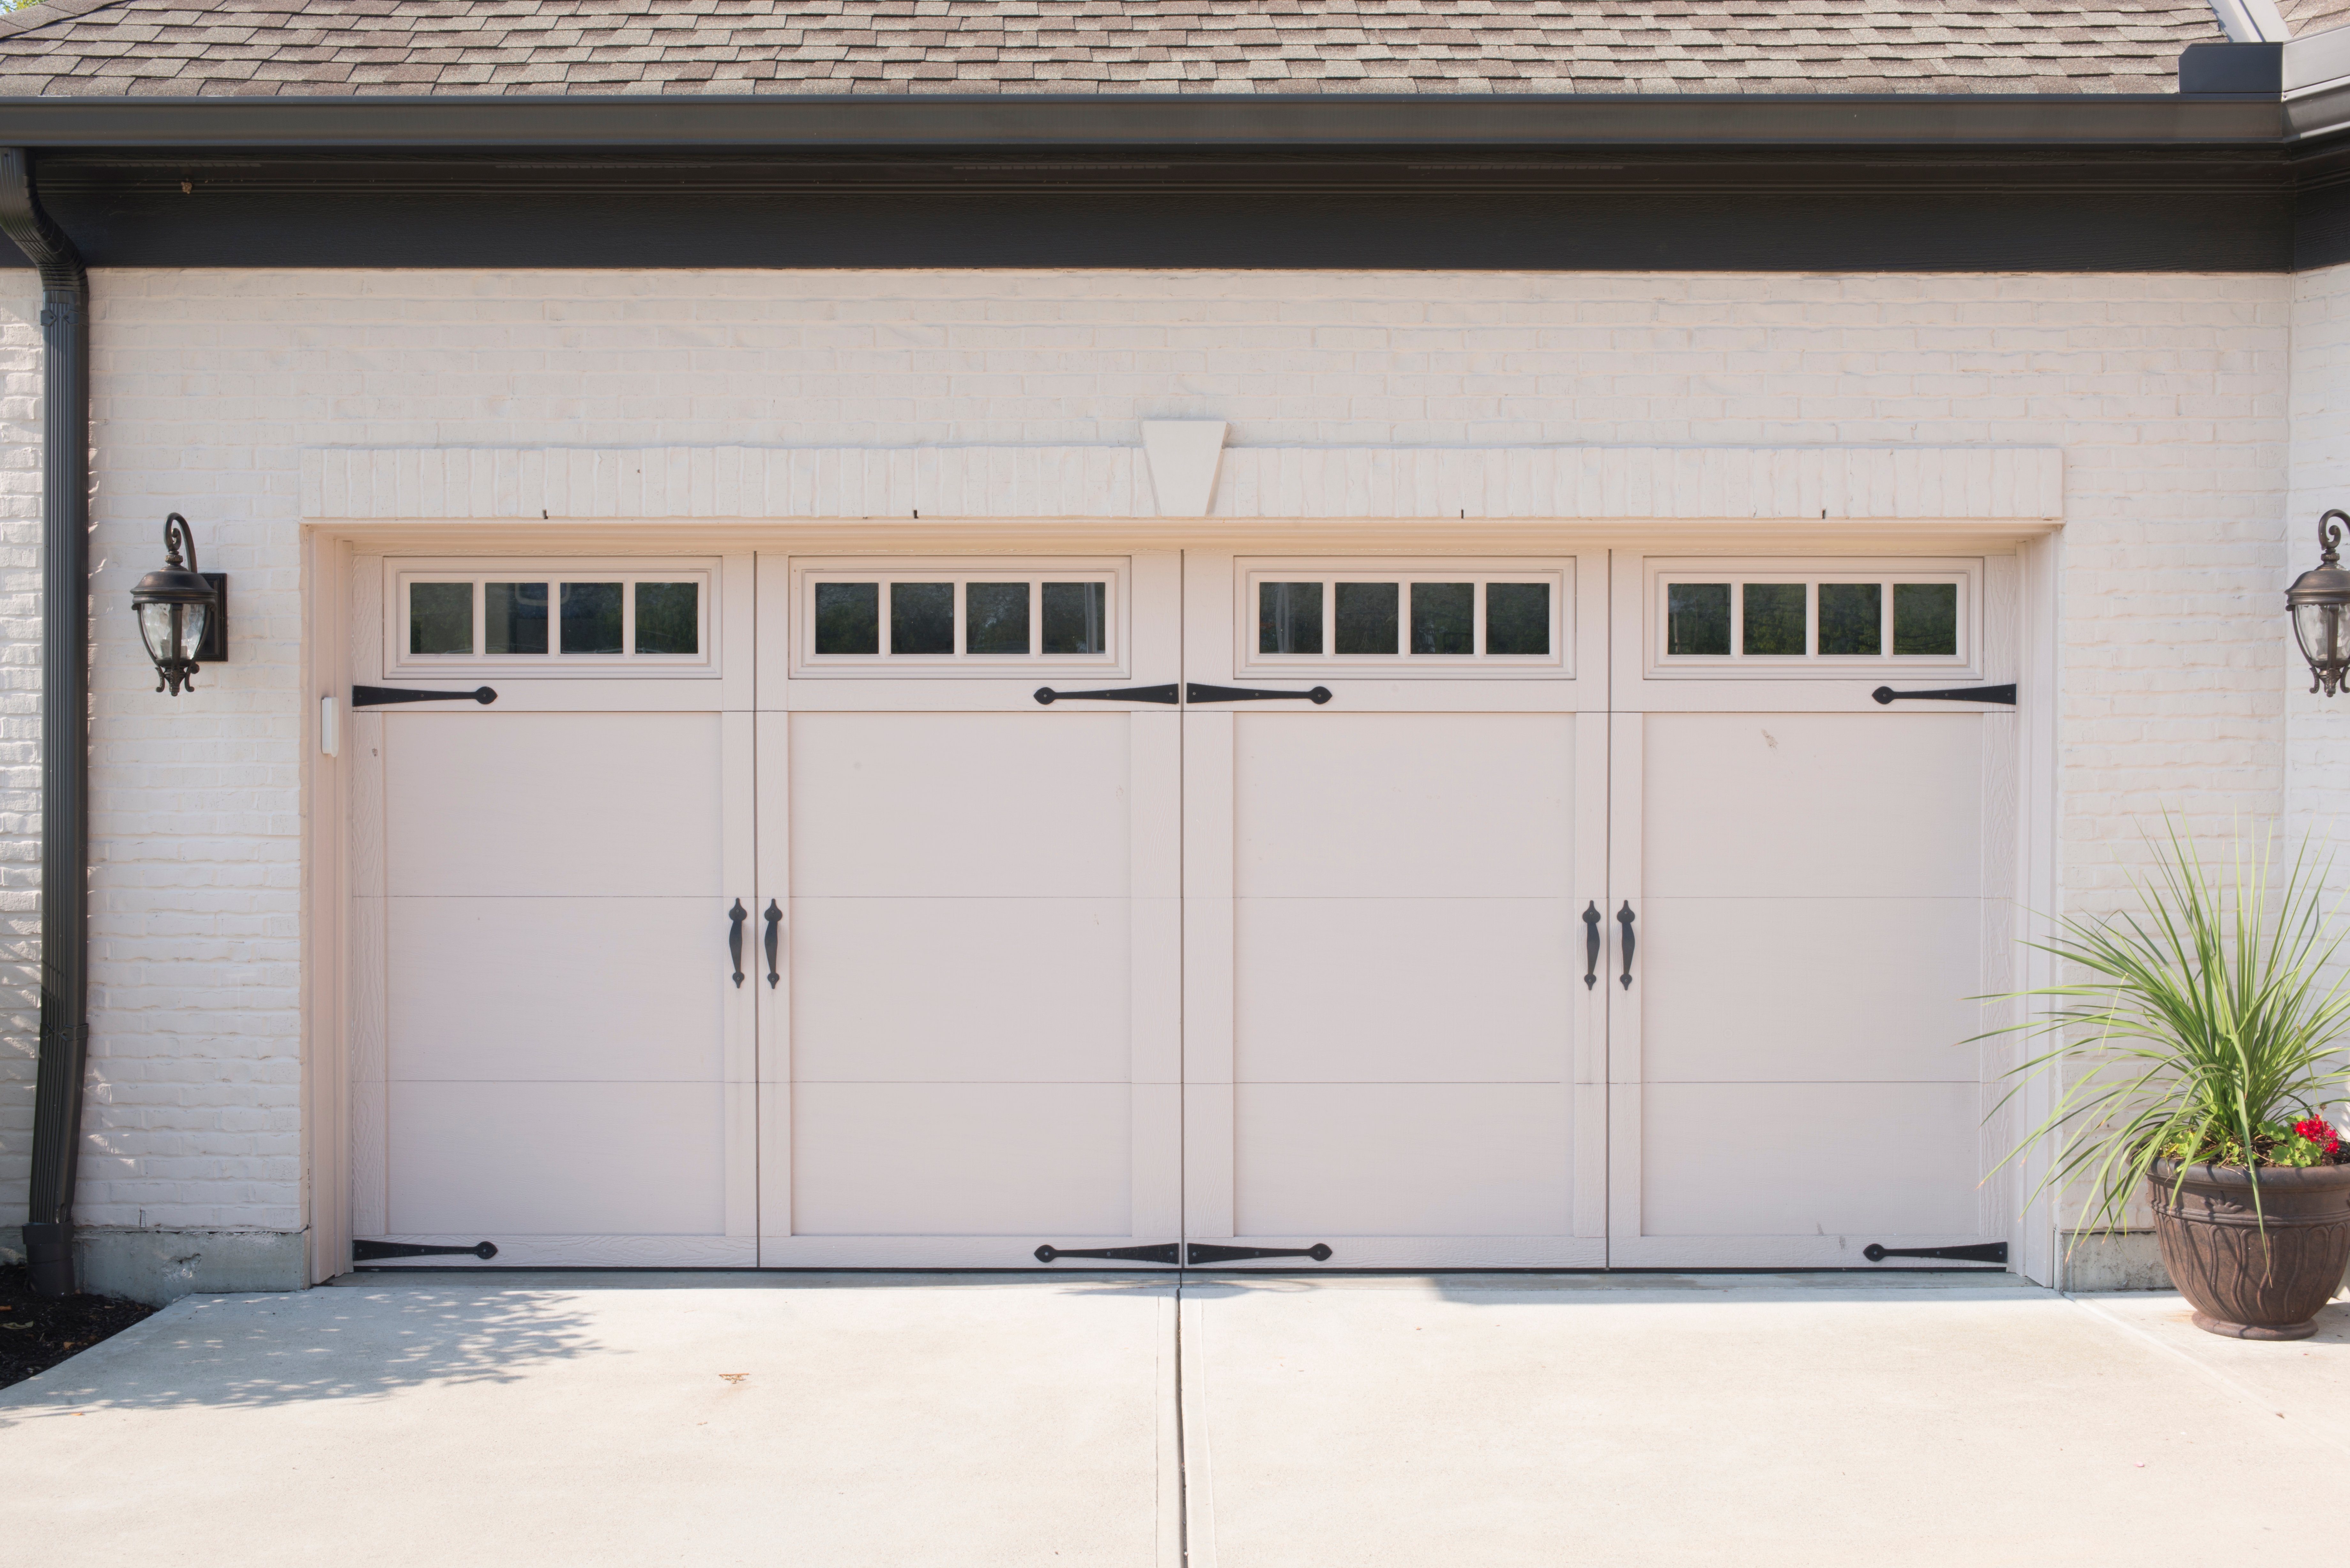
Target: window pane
514, 617
1366, 618
1775, 618
1696, 618
1851, 618
1517, 617
995, 618
922, 617
1289, 617
849, 618
1925, 617
669, 618
439, 618
591, 617
1443, 617
1076, 617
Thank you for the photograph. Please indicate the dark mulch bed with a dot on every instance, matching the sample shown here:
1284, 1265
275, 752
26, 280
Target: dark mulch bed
38, 1331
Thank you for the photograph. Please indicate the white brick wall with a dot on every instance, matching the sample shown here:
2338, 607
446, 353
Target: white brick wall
2318, 728
2168, 395
20, 725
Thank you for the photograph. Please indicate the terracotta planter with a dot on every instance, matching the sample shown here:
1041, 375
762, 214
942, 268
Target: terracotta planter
2211, 1242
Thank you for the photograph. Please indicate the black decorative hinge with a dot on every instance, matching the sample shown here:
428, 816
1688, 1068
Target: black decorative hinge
1982, 1253
1166, 695
1166, 1252
2005, 694
381, 696
1196, 693
369, 1251
1207, 1253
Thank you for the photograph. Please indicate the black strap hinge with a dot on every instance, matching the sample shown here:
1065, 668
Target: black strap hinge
1209, 1252
2001, 694
369, 1251
382, 696
1166, 695
1167, 1252
1980, 1252
1195, 693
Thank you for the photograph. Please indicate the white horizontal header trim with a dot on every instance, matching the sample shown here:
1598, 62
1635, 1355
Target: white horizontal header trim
2019, 484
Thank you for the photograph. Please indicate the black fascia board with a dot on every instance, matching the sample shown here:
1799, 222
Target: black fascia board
781, 121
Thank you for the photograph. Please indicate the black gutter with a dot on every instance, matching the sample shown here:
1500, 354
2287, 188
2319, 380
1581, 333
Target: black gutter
65, 723
1196, 119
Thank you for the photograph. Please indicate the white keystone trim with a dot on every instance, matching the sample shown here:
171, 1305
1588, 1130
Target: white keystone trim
1183, 455
1998, 484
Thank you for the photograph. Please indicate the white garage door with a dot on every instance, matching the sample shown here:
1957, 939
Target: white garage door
1557, 910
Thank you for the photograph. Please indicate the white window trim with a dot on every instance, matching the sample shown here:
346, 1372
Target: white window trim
807, 572
402, 571
1556, 665
1967, 572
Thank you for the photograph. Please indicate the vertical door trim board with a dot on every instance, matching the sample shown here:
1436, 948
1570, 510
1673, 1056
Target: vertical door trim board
326, 923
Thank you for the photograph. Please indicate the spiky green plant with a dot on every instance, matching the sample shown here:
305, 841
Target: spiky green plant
2196, 1025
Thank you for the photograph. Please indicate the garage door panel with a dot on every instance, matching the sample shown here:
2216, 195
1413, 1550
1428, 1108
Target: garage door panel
1419, 1159
542, 1158
1810, 1160
924, 990
962, 1160
553, 805
1810, 989
1335, 804
1403, 989
611, 989
960, 804
1825, 805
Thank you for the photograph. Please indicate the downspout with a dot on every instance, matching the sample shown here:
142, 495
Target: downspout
65, 723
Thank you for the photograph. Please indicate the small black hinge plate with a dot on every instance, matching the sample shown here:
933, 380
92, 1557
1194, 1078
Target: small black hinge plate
369, 1251
1982, 1253
383, 696
1167, 1252
1209, 1252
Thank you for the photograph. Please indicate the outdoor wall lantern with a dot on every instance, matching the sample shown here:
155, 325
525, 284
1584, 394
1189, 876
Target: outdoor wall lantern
183, 613
2319, 601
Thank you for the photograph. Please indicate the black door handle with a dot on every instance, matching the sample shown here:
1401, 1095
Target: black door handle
737, 914
1166, 695
775, 926
1591, 945
382, 696
1624, 916
1317, 696
2002, 694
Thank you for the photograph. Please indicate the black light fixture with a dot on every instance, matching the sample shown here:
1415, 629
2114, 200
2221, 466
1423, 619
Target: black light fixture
2319, 601
182, 612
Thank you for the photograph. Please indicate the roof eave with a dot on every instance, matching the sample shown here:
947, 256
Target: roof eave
784, 122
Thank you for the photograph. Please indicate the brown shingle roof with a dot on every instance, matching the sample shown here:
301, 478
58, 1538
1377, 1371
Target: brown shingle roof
186, 48
2307, 16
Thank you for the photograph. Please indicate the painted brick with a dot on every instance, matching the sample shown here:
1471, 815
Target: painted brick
2180, 421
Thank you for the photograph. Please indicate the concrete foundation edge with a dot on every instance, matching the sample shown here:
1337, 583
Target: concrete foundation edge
158, 1267
2123, 1260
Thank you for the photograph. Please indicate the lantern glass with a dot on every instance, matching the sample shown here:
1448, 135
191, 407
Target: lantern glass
155, 630
2323, 631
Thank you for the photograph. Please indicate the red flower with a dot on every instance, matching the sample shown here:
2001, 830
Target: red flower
2317, 1129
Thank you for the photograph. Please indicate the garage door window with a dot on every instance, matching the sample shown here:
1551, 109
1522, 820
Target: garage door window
1763, 617
551, 615
957, 621
1420, 619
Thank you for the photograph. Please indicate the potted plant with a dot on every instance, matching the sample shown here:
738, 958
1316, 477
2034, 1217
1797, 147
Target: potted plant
2194, 1047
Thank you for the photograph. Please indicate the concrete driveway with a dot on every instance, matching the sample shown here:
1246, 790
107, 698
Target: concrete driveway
1252, 1422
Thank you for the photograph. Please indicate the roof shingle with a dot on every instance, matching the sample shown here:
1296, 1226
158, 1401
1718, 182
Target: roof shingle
102, 47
